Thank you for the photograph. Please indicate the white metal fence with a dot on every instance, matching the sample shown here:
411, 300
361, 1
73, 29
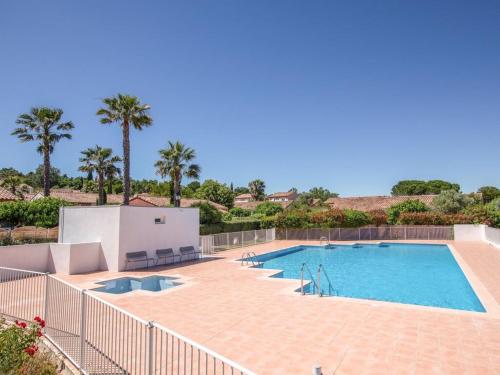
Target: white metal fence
100, 338
224, 241
393, 232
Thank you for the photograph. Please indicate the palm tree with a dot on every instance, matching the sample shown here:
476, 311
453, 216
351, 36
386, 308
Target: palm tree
43, 124
12, 183
126, 110
98, 160
175, 162
112, 171
257, 189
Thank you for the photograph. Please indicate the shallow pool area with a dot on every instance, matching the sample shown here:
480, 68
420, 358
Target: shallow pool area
419, 274
128, 284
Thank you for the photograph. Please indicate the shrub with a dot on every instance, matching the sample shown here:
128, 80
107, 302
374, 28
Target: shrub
479, 214
227, 216
451, 202
411, 205
378, 217
42, 212
489, 193
215, 192
292, 219
268, 222
208, 213
493, 210
327, 219
229, 227
268, 209
355, 219
432, 218
240, 212
19, 349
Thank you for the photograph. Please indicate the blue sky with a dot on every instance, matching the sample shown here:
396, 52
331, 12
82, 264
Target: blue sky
349, 95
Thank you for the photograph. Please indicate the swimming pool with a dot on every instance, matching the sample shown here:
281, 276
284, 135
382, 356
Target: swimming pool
129, 284
418, 274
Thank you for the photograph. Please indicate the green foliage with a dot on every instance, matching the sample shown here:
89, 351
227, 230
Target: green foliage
321, 193
493, 209
208, 213
41, 212
418, 187
489, 193
7, 172
226, 227
216, 192
478, 213
378, 217
258, 189
268, 222
451, 202
227, 217
240, 212
433, 218
268, 209
411, 205
332, 218
355, 219
241, 190
293, 219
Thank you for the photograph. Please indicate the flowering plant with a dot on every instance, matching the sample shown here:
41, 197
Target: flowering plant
19, 343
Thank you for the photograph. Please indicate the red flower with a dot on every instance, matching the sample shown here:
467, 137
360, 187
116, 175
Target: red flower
42, 323
20, 324
37, 319
39, 333
31, 350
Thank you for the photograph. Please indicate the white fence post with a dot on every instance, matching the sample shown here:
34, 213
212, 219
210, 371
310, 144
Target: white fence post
151, 348
83, 324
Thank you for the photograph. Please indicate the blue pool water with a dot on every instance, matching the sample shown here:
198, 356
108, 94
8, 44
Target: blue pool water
128, 284
407, 273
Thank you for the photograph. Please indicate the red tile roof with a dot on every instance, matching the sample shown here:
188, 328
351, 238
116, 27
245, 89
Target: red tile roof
146, 200
6, 195
244, 196
80, 197
379, 202
286, 194
253, 204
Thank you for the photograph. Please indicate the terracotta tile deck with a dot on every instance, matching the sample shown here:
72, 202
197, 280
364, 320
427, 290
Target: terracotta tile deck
263, 325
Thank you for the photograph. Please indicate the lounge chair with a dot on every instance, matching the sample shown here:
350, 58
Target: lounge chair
187, 251
137, 256
166, 254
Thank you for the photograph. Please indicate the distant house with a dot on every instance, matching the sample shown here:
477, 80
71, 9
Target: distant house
244, 198
145, 200
378, 202
7, 196
288, 196
79, 198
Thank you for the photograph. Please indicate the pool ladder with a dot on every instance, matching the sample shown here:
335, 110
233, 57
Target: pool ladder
315, 284
249, 257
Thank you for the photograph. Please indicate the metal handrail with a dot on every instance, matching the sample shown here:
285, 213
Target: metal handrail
323, 238
248, 257
330, 286
303, 268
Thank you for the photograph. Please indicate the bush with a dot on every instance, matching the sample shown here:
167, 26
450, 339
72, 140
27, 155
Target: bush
355, 219
327, 219
268, 209
292, 219
451, 202
493, 210
479, 214
19, 349
208, 213
411, 205
227, 216
240, 212
229, 227
42, 212
378, 217
268, 222
433, 218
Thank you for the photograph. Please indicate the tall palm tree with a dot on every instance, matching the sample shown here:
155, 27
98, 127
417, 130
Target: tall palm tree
128, 111
257, 189
175, 162
98, 160
44, 125
112, 172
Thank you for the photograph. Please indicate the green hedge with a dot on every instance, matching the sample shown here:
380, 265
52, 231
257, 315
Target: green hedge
41, 212
225, 227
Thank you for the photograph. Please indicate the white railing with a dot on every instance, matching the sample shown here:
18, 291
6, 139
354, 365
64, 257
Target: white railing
223, 241
392, 232
100, 338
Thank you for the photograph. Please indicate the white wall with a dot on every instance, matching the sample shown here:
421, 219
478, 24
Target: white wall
138, 231
123, 229
492, 235
469, 232
32, 257
76, 258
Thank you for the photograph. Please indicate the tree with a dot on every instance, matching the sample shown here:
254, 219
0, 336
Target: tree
216, 192
321, 193
6, 172
36, 178
241, 190
208, 213
451, 202
98, 160
268, 209
11, 183
489, 193
44, 126
111, 173
176, 162
418, 187
128, 111
411, 205
258, 189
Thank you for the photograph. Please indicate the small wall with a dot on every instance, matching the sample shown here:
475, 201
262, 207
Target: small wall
32, 257
492, 235
469, 232
72, 259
